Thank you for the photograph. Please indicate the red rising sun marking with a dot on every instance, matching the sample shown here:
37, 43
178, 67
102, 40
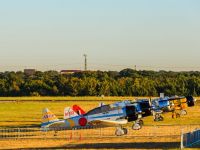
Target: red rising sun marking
82, 121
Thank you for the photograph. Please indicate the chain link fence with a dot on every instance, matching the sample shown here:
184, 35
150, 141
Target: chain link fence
166, 131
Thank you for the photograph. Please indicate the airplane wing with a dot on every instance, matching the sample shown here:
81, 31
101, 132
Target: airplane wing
108, 122
176, 98
56, 124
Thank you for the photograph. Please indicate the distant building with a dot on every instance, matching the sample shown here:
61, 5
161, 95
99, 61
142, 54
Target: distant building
29, 71
69, 71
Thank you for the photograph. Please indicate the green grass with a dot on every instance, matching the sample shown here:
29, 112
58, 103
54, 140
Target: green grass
26, 114
193, 117
30, 113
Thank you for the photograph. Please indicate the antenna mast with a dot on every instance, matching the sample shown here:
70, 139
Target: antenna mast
85, 61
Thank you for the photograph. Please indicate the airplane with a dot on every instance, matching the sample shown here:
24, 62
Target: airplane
116, 114
157, 106
176, 104
144, 106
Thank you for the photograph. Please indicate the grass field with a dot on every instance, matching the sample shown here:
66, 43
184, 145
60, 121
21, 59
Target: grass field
29, 113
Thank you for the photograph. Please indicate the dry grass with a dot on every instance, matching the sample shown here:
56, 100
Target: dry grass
28, 114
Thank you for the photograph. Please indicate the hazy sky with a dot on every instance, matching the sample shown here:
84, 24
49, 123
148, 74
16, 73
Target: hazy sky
115, 34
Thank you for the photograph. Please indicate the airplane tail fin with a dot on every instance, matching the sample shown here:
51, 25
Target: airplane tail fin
101, 104
150, 101
48, 117
69, 113
72, 112
78, 109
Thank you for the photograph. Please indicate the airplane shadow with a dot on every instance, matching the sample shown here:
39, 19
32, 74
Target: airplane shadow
141, 145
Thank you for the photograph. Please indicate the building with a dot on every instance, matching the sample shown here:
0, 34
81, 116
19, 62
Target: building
29, 71
69, 71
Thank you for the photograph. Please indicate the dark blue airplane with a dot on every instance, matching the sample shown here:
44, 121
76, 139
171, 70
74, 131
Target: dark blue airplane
157, 106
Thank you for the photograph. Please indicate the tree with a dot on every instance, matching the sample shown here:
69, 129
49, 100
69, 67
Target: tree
127, 82
128, 73
90, 86
3, 88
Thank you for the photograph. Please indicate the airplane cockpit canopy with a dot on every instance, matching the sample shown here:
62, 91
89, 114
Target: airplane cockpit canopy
102, 109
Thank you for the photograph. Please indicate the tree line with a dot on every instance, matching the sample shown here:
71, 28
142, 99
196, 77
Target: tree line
127, 82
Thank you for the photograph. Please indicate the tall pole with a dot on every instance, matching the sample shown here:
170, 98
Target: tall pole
85, 61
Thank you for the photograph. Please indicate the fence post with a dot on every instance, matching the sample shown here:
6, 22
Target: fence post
80, 136
18, 133
70, 138
182, 146
100, 132
3, 134
154, 131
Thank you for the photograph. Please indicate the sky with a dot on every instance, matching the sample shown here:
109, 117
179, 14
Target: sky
115, 34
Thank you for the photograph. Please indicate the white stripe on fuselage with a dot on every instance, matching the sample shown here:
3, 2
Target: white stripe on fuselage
111, 115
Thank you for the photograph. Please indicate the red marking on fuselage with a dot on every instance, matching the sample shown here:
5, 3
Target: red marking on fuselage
82, 121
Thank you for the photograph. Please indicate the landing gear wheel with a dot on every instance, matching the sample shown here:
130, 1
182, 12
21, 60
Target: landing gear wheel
125, 130
158, 117
183, 112
177, 115
141, 123
119, 132
136, 126
161, 118
173, 115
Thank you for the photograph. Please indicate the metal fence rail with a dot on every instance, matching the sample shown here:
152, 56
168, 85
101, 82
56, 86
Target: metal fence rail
191, 138
146, 131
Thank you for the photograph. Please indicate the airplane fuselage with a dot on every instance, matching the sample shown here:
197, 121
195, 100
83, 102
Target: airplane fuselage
91, 118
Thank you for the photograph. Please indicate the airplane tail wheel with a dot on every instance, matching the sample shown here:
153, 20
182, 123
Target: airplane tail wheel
183, 112
125, 131
56, 133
